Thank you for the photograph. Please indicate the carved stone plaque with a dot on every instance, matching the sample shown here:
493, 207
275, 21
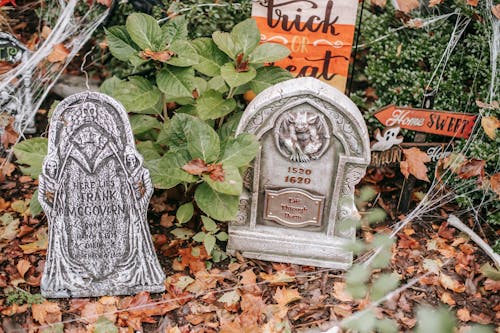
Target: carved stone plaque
293, 207
314, 150
95, 193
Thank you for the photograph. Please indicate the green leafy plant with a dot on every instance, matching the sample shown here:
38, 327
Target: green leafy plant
19, 296
184, 112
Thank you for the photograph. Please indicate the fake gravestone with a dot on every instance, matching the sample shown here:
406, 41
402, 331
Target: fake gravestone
95, 193
300, 188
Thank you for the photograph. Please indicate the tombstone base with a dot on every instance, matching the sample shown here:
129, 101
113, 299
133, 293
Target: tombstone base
100, 290
296, 247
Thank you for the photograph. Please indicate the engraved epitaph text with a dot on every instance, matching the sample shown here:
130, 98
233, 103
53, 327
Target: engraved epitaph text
95, 192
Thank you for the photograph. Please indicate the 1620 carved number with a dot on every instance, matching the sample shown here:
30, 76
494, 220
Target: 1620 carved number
298, 180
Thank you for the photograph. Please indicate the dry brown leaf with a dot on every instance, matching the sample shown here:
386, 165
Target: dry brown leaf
448, 299
46, 312
449, 283
433, 3
414, 163
490, 126
216, 172
162, 56
284, 296
281, 278
472, 2
340, 293
495, 183
6, 169
491, 285
471, 169
59, 53
92, 311
380, 3
106, 3
46, 31
23, 266
496, 11
463, 314
9, 135
39, 245
407, 6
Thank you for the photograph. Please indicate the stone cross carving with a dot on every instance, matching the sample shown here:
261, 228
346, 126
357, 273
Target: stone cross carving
298, 193
95, 193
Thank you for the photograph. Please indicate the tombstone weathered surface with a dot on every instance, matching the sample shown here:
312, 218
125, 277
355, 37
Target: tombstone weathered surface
299, 191
95, 193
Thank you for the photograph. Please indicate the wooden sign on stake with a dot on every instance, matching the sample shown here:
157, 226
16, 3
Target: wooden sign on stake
455, 124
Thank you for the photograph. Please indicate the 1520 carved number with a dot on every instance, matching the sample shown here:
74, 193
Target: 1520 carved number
298, 180
299, 170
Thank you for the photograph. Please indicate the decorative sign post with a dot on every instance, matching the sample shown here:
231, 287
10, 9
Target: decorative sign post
455, 124
17, 104
95, 193
299, 192
318, 33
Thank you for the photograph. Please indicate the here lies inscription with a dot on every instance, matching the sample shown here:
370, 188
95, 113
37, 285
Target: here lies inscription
95, 193
299, 191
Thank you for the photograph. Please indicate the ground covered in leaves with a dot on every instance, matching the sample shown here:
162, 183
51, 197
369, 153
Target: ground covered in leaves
238, 294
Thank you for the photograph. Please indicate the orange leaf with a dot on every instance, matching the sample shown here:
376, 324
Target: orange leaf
473, 3
407, 6
449, 283
433, 3
490, 126
414, 163
340, 293
46, 313
284, 296
496, 11
92, 311
216, 172
23, 266
495, 183
59, 53
380, 3
491, 285
9, 135
463, 314
162, 56
472, 168
195, 167
106, 3
447, 299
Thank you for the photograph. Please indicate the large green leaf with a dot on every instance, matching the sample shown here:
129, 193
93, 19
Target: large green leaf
235, 78
35, 207
246, 36
176, 83
228, 129
202, 141
210, 57
109, 85
218, 83
212, 105
175, 29
174, 135
145, 31
121, 46
185, 54
232, 184
267, 77
31, 152
225, 43
268, 52
185, 213
166, 172
149, 150
219, 206
240, 151
138, 95
142, 123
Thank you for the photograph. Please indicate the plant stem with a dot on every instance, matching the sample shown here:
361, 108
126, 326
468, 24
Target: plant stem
231, 93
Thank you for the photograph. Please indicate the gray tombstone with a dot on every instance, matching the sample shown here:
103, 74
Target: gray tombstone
95, 193
299, 191
17, 100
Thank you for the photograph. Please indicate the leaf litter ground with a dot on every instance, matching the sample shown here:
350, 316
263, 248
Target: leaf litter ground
238, 294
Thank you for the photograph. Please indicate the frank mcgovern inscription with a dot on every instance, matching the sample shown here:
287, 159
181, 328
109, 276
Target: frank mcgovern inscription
299, 191
95, 193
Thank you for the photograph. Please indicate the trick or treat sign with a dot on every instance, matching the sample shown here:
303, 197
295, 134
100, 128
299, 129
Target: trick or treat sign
319, 34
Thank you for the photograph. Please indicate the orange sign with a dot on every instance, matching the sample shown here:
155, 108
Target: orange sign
319, 34
458, 125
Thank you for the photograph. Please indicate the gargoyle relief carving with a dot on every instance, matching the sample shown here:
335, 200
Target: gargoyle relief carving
302, 135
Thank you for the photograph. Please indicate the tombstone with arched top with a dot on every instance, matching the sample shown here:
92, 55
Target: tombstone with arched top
298, 193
